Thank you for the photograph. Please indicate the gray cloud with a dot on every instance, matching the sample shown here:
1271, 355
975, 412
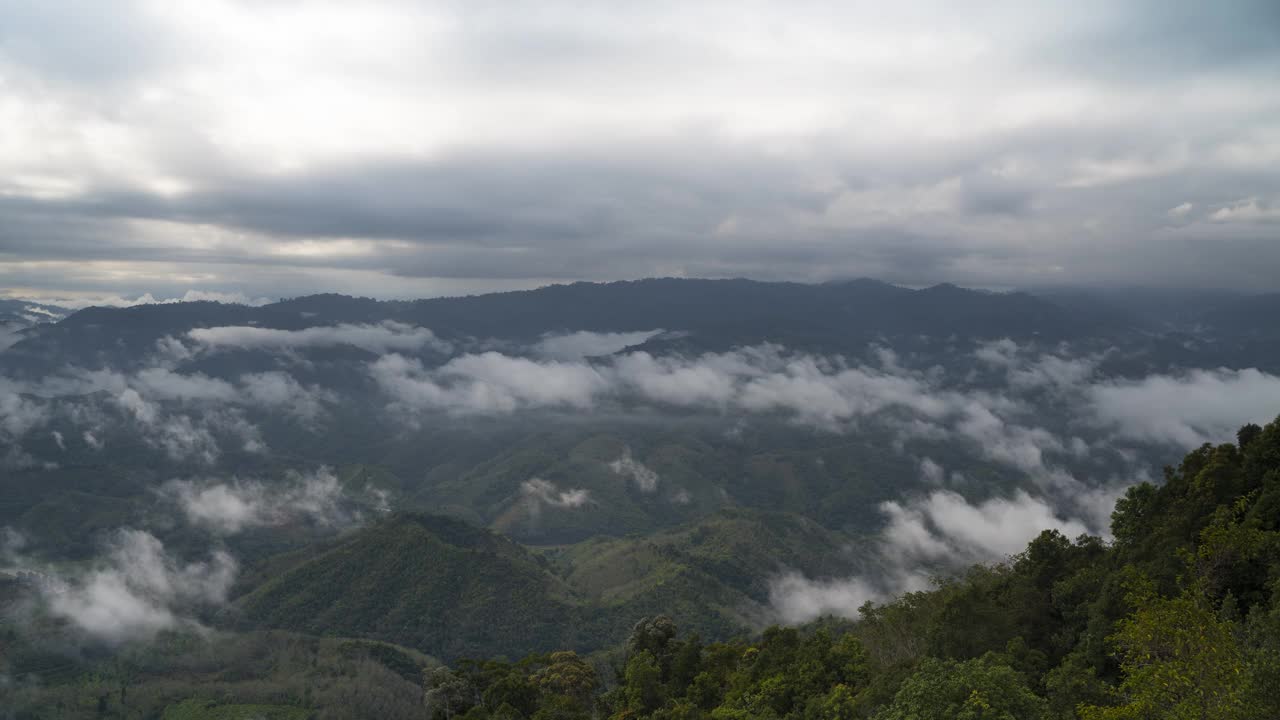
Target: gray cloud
18, 413
280, 391
824, 392
1003, 425
1002, 145
10, 334
1027, 369
187, 416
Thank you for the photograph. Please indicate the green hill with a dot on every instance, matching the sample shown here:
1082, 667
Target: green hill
430, 582
452, 590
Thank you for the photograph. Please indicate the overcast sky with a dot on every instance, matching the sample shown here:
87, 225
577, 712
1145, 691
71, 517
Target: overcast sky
274, 147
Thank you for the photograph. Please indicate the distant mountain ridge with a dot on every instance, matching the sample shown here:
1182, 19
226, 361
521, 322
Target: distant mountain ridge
718, 313
1191, 328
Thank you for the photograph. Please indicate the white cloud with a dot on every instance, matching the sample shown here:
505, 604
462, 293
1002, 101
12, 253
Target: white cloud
1013, 444
1250, 209
1001, 353
183, 414
946, 526
824, 393
1027, 369
280, 391
230, 507
139, 589
489, 383
1182, 210
162, 384
116, 301
178, 435
675, 381
646, 480
932, 472
1053, 371
19, 414
796, 599
380, 338
585, 344
10, 335
941, 529
539, 492
1188, 409
759, 379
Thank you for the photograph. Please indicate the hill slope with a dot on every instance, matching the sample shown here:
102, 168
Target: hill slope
453, 590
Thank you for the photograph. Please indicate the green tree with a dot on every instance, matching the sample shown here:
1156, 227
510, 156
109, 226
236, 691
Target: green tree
643, 683
980, 689
1180, 660
567, 675
838, 704
512, 690
446, 694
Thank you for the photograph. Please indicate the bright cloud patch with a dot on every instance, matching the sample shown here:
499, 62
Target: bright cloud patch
139, 589
233, 506
1188, 409
539, 492
941, 529
378, 338
646, 480
584, 344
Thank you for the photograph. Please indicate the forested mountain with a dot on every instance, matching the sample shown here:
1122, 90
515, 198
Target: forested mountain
442, 585
639, 361
1178, 617
698, 315
213, 510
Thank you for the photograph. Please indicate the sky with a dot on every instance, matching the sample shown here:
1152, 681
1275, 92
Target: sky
395, 149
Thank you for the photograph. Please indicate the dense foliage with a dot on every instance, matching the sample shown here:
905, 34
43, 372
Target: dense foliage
1178, 618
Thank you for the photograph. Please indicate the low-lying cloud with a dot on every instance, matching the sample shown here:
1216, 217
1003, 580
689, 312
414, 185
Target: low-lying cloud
585, 344
1189, 409
761, 379
942, 530
945, 526
188, 416
1027, 370
538, 493
826, 393
236, 505
117, 301
488, 383
388, 336
645, 479
139, 589
10, 335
